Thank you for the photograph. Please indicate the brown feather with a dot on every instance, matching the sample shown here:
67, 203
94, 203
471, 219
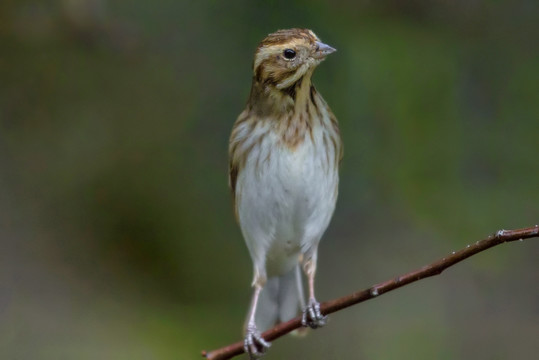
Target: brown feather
277, 106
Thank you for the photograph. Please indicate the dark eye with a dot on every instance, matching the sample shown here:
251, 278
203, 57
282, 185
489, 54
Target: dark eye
289, 54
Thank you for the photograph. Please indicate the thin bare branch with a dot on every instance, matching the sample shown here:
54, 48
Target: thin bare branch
432, 269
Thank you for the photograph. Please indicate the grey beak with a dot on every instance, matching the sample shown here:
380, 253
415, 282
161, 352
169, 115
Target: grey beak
323, 50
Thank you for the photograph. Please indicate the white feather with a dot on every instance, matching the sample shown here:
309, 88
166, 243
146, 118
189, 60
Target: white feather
285, 205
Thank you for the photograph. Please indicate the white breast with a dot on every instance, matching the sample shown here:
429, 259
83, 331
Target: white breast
285, 200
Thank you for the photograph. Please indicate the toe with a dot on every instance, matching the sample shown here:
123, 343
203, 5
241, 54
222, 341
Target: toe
254, 344
313, 317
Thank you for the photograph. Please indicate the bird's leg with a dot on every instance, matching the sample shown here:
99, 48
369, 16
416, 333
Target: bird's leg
312, 316
254, 344
299, 284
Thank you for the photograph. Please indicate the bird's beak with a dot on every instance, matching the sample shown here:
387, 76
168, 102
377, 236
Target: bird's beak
323, 50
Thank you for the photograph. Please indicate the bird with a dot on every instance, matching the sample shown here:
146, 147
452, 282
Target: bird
285, 150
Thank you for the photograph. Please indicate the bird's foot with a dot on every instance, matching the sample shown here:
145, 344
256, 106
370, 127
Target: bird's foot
312, 317
254, 344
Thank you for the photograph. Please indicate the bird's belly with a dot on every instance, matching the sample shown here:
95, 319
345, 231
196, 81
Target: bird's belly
286, 204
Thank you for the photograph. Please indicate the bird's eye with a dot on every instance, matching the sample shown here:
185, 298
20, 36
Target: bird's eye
289, 54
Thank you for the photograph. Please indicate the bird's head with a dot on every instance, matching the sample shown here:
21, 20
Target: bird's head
286, 56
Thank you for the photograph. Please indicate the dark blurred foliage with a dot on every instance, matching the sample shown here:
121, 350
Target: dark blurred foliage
116, 231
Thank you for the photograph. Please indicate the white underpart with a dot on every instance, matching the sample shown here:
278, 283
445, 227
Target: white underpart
286, 202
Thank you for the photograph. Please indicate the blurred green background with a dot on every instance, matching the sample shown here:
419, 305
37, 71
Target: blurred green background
117, 238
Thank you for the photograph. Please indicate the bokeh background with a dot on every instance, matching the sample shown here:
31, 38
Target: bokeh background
117, 238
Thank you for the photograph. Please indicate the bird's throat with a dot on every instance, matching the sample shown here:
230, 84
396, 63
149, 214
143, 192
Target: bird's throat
266, 100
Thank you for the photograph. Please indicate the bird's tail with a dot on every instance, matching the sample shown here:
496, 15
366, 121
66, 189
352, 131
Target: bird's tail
281, 299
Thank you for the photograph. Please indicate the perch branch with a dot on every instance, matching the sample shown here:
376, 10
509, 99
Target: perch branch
432, 269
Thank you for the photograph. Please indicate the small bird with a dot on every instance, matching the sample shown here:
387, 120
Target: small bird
284, 155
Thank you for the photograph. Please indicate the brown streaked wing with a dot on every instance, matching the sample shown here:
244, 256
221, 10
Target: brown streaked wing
232, 180
339, 148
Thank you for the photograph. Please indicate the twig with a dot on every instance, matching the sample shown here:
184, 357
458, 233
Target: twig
432, 269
